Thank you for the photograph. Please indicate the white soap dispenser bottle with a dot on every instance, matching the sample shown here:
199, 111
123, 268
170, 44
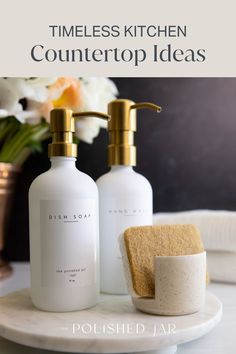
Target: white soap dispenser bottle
63, 218
125, 196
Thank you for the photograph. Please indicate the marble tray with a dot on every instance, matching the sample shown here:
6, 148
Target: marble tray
113, 326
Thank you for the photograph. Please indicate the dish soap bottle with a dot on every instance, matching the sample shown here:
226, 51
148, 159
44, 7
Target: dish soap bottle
63, 217
125, 197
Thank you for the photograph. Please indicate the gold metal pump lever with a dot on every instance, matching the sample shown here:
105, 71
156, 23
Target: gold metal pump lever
62, 126
148, 105
91, 114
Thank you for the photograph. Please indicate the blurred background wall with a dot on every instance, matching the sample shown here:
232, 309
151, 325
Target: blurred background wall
187, 152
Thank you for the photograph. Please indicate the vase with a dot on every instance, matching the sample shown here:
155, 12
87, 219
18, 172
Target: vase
8, 176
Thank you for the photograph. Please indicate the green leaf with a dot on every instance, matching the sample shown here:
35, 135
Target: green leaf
18, 140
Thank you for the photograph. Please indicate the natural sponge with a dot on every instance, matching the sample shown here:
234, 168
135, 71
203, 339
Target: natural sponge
140, 244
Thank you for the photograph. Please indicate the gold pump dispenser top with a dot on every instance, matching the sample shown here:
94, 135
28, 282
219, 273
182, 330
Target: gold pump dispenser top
121, 128
62, 127
121, 119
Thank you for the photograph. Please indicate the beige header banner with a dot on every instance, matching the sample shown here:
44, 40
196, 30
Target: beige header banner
118, 38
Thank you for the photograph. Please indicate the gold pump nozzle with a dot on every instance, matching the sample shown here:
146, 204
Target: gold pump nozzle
62, 127
121, 128
147, 105
92, 114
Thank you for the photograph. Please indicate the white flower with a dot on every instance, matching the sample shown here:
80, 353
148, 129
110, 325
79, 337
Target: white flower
38, 88
3, 113
12, 90
40, 95
96, 93
9, 100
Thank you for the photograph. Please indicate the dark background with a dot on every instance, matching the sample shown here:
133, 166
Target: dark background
187, 152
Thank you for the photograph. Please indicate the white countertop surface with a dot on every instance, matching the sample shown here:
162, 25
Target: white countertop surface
222, 340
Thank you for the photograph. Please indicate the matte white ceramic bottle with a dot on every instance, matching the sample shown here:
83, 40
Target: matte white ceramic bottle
63, 215
125, 196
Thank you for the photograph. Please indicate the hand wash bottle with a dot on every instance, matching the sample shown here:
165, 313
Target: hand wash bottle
63, 215
125, 197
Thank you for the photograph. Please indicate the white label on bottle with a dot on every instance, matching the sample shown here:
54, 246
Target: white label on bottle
68, 242
123, 213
